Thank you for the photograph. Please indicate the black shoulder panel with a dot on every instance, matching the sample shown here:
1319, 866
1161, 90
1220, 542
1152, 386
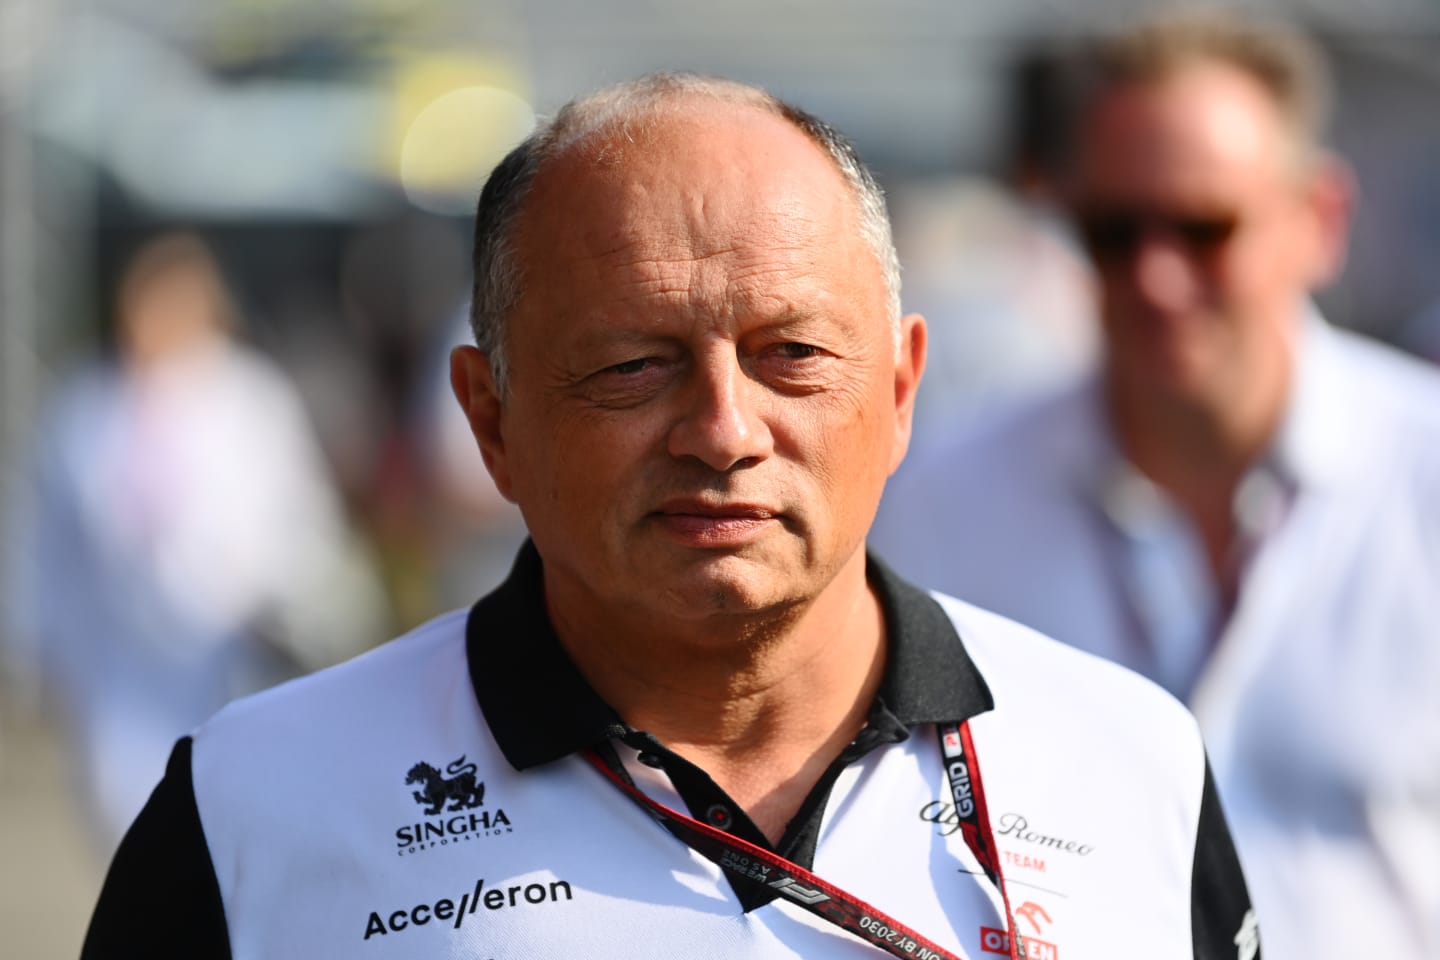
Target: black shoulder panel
1222, 921
161, 899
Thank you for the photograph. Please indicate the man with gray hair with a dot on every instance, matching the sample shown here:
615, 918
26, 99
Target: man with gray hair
1241, 502
698, 719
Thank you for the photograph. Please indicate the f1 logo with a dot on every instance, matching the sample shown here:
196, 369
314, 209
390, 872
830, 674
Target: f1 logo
795, 891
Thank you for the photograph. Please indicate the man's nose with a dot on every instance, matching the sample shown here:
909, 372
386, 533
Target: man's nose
1164, 272
721, 420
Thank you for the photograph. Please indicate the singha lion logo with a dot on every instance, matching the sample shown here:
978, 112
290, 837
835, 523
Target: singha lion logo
459, 789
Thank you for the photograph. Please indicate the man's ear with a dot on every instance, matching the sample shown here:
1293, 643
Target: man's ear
474, 385
1330, 200
909, 367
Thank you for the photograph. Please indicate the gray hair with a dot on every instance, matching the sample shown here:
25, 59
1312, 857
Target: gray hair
499, 277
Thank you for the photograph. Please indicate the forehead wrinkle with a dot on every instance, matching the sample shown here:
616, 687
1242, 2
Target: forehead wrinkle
663, 212
643, 295
727, 267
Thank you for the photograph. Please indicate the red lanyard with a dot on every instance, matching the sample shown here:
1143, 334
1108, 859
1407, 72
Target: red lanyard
825, 900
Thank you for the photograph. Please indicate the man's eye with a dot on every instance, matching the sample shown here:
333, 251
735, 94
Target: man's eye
629, 366
798, 351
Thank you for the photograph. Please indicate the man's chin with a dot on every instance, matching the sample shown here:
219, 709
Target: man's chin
718, 584
1174, 372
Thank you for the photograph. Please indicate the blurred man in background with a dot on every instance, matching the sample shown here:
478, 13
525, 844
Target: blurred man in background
1242, 502
180, 542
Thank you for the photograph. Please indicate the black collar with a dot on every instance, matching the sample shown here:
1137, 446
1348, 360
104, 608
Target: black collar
540, 708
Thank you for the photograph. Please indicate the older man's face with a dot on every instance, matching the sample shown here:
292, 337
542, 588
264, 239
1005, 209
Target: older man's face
1206, 233
705, 393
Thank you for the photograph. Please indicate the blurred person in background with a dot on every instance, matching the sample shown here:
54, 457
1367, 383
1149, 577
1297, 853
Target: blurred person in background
1241, 502
179, 540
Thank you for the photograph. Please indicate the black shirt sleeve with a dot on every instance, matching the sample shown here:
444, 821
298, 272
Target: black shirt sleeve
1222, 921
161, 899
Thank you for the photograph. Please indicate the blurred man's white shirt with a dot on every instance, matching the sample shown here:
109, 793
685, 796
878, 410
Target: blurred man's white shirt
1320, 698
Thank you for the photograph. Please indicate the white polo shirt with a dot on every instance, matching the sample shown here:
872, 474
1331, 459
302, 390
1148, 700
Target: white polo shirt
427, 800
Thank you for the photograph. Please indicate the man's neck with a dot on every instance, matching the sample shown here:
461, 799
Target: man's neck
763, 704
1198, 452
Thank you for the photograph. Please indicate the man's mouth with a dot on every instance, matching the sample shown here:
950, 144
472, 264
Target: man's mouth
714, 523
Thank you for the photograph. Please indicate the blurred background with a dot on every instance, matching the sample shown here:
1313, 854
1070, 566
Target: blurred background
233, 256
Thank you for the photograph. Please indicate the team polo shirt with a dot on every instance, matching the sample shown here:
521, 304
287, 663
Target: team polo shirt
429, 799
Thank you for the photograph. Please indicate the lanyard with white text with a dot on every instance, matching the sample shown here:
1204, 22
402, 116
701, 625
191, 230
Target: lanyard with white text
967, 790
827, 901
